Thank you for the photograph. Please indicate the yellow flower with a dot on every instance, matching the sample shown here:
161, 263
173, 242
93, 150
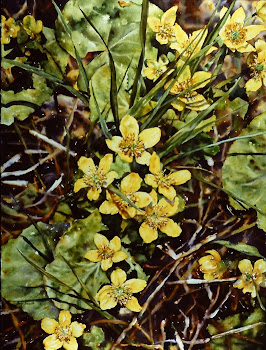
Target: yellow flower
95, 177
257, 64
108, 252
129, 187
157, 217
9, 29
191, 99
261, 10
133, 143
165, 183
63, 333
156, 68
192, 44
31, 26
165, 28
120, 292
252, 278
235, 34
212, 265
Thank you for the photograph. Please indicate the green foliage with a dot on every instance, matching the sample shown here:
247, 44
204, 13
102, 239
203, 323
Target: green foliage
237, 321
94, 338
242, 247
239, 107
120, 167
36, 96
244, 168
22, 284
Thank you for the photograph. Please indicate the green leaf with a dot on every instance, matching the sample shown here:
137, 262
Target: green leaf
73, 245
94, 338
20, 280
120, 167
242, 247
239, 107
243, 172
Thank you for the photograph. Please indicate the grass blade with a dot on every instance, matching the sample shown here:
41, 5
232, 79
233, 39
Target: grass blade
114, 190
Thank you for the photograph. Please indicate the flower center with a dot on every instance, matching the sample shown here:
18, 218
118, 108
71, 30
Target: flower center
105, 252
63, 333
153, 219
131, 147
184, 85
166, 32
97, 179
235, 33
121, 294
163, 180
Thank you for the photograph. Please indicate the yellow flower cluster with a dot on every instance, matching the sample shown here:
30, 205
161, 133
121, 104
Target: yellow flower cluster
9, 29
212, 265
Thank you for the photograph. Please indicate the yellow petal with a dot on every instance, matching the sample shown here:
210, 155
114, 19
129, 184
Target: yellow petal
131, 183
119, 256
246, 48
129, 127
169, 17
201, 76
238, 16
133, 305
168, 192
79, 184
118, 277
100, 241
52, 343
49, 325
181, 35
186, 74
144, 159
147, 233
162, 39
86, 165
254, 30
245, 266
223, 11
77, 329
151, 180
108, 208
154, 23
126, 157
154, 164
215, 254
64, 318
142, 199
253, 84
172, 229
93, 256
260, 266
106, 264
110, 178
93, 193
107, 303
105, 163
115, 244
180, 177
179, 105
103, 291
260, 46
150, 137
72, 344
154, 197
167, 209
150, 73
135, 285
199, 103
113, 143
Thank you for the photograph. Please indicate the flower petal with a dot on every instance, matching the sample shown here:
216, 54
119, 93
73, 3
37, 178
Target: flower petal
133, 305
254, 30
93, 193
119, 256
77, 329
135, 285
131, 183
72, 344
105, 163
100, 241
86, 165
167, 209
179, 105
245, 266
126, 157
110, 178
201, 76
144, 159
181, 35
129, 126
154, 164
113, 143
180, 177
253, 84
168, 192
115, 244
93, 256
52, 343
169, 17
64, 318
215, 254
142, 199
118, 277
154, 23
260, 266
172, 229
79, 184
147, 233
150, 137
49, 325
103, 291
108, 208
106, 264
238, 16
151, 180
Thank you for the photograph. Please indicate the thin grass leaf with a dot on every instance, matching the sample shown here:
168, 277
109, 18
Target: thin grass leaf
49, 77
104, 126
114, 190
36, 250
52, 299
68, 31
241, 247
113, 90
143, 28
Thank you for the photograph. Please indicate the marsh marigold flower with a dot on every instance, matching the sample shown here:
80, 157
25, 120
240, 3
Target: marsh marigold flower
156, 68
235, 34
251, 278
31, 26
165, 28
165, 183
133, 143
9, 29
212, 265
63, 333
130, 186
107, 252
261, 10
190, 99
120, 292
257, 64
95, 177
156, 217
